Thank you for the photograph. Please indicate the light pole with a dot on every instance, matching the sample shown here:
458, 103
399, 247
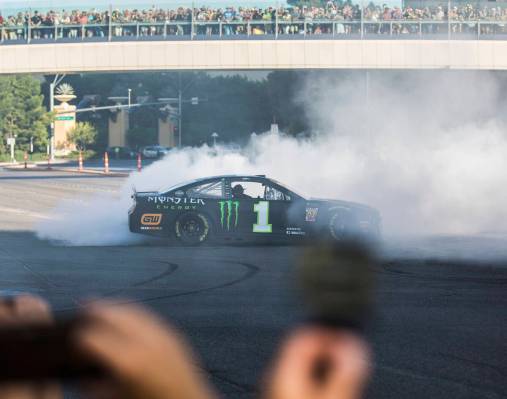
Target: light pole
215, 136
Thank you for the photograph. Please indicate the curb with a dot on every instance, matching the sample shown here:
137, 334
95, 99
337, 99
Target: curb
90, 172
39, 168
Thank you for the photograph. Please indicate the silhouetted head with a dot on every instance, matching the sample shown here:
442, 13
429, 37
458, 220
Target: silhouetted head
238, 190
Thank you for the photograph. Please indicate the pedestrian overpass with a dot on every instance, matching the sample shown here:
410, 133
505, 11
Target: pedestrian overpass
114, 48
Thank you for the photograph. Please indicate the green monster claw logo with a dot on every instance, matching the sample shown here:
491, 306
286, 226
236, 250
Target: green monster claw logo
226, 215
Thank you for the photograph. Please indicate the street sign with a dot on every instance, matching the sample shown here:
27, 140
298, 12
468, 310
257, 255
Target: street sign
11, 141
64, 118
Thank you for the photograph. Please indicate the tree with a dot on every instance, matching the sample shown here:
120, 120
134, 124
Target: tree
22, 113
82, 134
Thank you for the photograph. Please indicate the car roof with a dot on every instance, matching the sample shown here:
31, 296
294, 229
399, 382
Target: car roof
219, 177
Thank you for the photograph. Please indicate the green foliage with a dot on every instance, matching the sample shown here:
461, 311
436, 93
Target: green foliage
82, 135
22, 113
19, 156
65, 89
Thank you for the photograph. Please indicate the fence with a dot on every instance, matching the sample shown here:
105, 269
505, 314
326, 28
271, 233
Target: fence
272, 30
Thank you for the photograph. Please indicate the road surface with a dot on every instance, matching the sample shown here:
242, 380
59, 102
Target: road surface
440, 328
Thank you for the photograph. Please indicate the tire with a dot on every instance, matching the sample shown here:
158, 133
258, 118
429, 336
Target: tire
192, 228
341, 226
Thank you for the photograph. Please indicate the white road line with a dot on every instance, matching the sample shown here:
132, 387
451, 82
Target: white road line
24, 212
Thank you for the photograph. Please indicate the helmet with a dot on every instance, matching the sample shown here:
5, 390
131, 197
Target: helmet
238, 189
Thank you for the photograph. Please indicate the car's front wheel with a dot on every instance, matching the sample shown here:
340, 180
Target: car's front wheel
341, 225
192, 228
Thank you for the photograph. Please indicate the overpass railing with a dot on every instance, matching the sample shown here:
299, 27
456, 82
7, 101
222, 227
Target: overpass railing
278, 30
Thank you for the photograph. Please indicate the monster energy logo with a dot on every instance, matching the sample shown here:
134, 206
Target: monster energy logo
226, 214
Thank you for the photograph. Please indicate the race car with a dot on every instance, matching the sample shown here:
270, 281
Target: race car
246, 208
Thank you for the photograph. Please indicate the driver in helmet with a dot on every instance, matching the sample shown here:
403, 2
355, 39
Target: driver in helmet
238, 192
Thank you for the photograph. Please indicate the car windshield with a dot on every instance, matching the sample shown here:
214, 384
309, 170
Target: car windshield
290, 189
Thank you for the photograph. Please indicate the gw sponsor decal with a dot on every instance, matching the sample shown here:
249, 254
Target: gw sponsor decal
151, 221
176, 200
311, 214
229, 213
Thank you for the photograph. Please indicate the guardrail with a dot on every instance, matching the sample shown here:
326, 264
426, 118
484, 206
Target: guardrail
284, 30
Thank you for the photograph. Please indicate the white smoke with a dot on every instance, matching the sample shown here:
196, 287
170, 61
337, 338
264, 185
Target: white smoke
427, 150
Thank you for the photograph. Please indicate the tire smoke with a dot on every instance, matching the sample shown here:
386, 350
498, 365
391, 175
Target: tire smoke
425, 148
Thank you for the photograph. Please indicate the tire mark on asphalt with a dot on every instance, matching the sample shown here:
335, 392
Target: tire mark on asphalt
251, 270
405, 372
476, 363
245, 388
390, 269
171, 268
48, 283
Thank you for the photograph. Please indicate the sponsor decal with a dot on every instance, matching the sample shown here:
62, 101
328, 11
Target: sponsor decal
179, 193
151, 219
295, 231
229, 213
311, 214
175, 200
177, 207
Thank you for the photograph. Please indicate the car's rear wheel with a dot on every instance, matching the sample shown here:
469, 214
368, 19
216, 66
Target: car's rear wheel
192, 228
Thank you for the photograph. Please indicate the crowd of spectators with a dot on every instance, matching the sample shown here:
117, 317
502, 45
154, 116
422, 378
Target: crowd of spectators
336, 17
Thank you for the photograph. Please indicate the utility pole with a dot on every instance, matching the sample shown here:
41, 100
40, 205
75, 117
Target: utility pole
180, 109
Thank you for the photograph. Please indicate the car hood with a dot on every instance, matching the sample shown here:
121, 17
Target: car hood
347, 204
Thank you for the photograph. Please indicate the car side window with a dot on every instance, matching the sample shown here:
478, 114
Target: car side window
213, 189
273, 194
244, 189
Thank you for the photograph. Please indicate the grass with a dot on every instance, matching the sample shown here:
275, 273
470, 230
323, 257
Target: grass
19, 156
42, 156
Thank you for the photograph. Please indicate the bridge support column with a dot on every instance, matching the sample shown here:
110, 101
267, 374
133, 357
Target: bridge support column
166, 132
118, 128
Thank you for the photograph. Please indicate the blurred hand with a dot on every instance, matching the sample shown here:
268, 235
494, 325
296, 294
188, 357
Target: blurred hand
146, 359
18, 310
298, 371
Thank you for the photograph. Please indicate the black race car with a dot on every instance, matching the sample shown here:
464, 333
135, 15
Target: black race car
246, 208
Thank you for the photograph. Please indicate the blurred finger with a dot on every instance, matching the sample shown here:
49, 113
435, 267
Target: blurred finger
31, 308
126, 319
351, 367
106, 345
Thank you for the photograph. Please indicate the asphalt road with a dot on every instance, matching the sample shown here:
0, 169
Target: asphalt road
440, 328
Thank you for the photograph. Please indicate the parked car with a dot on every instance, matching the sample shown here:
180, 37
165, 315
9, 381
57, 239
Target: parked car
117, 152
155, 151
